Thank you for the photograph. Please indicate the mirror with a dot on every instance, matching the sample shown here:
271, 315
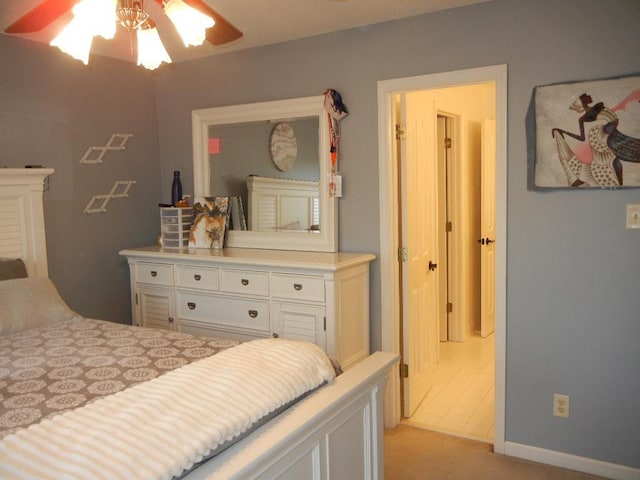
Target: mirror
272, 159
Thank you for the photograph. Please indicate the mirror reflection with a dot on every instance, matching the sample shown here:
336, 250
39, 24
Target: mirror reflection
270, 169
280, 176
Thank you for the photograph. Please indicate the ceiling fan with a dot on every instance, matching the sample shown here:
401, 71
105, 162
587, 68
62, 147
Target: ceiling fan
129, 13
49, 11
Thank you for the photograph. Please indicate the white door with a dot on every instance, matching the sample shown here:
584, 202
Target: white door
419, 214
488, 229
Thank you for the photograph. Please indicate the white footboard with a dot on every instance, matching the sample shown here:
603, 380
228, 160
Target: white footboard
335, 433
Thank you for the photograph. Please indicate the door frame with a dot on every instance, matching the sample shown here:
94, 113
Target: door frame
389, 266
447, 203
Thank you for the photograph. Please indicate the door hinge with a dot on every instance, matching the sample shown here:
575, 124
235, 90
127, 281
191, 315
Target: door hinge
403, 254
447, 143
404, 370
400, 131
449, 307
448, 226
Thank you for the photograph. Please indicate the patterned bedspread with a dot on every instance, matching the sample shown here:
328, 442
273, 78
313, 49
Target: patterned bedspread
53, 369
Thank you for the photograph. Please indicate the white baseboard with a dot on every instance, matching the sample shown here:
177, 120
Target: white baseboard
572, 462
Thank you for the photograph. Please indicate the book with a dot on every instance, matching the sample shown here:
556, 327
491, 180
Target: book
238, 220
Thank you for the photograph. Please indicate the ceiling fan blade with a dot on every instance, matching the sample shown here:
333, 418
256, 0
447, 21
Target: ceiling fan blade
223, 31
41, 16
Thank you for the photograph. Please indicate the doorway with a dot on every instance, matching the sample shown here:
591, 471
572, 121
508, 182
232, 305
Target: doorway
443, 220
392, 308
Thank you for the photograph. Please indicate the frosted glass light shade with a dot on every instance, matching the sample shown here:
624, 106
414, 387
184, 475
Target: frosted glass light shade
190, 23
101, 14
90, 18
75, 39
151, 51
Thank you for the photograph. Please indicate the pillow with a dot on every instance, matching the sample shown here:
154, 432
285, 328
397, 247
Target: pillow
12, 268
29, 303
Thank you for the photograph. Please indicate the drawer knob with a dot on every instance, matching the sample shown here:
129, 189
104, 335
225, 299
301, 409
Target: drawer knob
275, 335
253, 313
297, 286
197, 277
154, 273
191, 305
244, 281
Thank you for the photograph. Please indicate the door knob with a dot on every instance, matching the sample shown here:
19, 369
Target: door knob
486, 241
432, 266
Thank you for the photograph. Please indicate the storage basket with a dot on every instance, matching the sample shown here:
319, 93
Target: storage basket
175, 224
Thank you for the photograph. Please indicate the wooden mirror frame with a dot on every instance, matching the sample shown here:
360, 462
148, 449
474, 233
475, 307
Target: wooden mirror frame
326, 240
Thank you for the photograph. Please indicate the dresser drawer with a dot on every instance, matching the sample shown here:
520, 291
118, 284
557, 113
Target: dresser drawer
234, 312
154, 273
197, 277
297, 287
244, 281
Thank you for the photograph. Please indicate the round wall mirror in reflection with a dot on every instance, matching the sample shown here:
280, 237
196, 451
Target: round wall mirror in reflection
283, 147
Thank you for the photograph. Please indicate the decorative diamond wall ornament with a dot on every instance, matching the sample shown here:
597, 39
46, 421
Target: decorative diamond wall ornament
117, 142
98, 204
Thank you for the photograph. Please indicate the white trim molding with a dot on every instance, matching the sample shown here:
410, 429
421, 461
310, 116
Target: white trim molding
572, 462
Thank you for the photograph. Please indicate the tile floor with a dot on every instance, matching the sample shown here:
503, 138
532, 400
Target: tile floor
461, 399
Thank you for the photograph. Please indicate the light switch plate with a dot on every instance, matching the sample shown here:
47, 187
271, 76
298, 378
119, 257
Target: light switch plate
633, 217
338, 182
335, 184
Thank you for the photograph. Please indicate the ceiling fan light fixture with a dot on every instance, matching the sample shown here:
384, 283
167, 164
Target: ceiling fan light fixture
192, 19
151, 51
100, 17
190, 23
131, 14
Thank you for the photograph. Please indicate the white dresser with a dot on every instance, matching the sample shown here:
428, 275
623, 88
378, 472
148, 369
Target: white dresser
245, 294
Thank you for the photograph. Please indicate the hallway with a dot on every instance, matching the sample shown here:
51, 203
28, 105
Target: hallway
461, 401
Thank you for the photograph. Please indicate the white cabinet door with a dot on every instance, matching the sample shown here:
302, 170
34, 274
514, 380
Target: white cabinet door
299, 322
156, 307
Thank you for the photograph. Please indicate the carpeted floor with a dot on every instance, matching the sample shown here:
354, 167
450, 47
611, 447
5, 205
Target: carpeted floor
415, 454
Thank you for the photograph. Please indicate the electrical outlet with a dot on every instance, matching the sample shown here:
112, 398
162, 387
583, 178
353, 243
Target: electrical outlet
560, 405
633, 217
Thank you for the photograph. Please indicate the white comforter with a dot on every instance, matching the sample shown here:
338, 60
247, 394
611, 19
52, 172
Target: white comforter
160, 428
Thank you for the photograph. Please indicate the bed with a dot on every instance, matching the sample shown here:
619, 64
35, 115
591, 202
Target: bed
190, 407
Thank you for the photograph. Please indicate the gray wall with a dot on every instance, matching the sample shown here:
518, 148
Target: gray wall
52, 109
573, 306
573, 321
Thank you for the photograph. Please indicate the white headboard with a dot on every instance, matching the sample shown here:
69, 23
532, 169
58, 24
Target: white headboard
279, 204
22, 217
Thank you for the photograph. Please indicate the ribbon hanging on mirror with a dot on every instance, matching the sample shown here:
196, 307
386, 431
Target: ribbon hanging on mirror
336, 110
